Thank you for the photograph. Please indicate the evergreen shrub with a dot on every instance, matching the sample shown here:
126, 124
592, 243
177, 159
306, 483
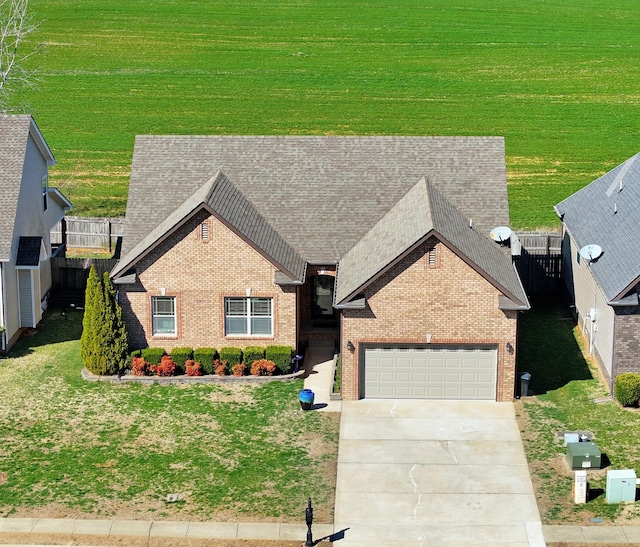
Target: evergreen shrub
153, 356
180, 356
205, 357
627, 388
231, 355
251, 354
281, 356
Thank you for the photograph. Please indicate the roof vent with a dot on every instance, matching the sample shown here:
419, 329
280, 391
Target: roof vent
591, 252
501, 234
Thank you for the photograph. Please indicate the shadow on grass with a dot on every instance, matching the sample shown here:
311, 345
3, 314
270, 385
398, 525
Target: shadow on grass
55, 327
547, 348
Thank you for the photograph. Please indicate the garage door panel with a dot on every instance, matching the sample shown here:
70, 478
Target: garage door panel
430, 372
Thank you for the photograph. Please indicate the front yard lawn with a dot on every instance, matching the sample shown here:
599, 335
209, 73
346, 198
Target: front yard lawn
72, 448
552, 349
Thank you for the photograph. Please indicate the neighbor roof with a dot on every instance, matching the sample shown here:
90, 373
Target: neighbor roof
14, 137
607, 213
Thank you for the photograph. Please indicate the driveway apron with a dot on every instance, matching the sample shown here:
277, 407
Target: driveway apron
426, 473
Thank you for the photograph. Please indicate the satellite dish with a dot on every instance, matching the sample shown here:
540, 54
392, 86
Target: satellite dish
591, 252
500, 234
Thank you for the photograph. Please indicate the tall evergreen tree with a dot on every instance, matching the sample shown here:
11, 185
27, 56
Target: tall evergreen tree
89, 345
115, 337
103, 344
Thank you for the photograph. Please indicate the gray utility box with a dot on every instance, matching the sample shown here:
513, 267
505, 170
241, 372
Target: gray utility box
583, 455
621, 485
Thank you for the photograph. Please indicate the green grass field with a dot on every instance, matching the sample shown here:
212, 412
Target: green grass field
558, 79
74, 448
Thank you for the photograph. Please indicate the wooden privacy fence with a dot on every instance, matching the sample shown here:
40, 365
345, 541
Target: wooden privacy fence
72, 273
540, 262
88, 232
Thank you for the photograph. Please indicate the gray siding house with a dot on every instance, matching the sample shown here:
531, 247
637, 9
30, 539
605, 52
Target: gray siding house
604, 289
29, 209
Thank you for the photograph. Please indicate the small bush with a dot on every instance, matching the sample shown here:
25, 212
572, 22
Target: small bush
192, 368
153, 355
281, 356
231, 355
205, 357
139, 367
221, 368
627, 388
180, 356
263, 367
251, 354
239, 369
166, 367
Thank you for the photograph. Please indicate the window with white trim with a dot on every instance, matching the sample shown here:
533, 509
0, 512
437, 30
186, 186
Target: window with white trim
164, 315
248, 316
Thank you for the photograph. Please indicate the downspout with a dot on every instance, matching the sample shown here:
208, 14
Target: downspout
3, 342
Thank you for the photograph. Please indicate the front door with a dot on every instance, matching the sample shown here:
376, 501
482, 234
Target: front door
322, 308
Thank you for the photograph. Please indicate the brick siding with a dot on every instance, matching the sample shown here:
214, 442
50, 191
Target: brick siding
627, 340
451, 304
201, 273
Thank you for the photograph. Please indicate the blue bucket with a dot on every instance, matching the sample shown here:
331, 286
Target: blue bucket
306, 397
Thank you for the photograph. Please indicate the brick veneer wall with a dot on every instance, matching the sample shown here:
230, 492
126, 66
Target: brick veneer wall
201, 273
451, 302
626, 349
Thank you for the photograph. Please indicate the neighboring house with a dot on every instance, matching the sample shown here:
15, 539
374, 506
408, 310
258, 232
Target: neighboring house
29, 209
606, 214
380, 244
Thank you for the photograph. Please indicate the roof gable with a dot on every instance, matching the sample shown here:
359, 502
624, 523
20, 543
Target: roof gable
606, 213
222, 199
421, 213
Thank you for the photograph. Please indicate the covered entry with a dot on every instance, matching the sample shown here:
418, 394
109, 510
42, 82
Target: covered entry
430, 372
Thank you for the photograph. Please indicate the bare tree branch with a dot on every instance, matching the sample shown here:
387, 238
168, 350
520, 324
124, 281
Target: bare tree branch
15, 25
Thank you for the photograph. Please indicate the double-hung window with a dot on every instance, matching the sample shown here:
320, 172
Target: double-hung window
248, 316
164, 315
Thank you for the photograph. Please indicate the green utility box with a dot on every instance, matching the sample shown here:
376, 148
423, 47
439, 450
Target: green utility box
621, 485
583, 455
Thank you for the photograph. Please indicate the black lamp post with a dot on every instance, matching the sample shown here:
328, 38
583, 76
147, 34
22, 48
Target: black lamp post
309, 518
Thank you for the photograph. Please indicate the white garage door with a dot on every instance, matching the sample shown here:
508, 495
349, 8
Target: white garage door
421, 372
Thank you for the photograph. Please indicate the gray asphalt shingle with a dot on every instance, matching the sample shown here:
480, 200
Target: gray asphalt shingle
325, 200
607, 213
14, 132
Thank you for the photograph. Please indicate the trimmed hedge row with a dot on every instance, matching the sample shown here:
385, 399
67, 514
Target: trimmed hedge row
209, 357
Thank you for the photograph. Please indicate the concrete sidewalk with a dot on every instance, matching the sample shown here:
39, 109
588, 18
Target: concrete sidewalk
162, 529
319, 362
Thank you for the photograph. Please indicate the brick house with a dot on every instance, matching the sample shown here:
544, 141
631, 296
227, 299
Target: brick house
29, 209
380, 244
605, 288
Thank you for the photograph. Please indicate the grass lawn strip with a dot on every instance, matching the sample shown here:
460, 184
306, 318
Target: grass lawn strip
115, 451
577, 405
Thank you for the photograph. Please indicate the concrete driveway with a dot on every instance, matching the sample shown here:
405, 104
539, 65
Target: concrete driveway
427, 473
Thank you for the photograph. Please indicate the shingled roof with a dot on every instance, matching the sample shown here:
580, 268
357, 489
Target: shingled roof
422, 213
607, 213
226, 203
323, 200
321, 194
14, 137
